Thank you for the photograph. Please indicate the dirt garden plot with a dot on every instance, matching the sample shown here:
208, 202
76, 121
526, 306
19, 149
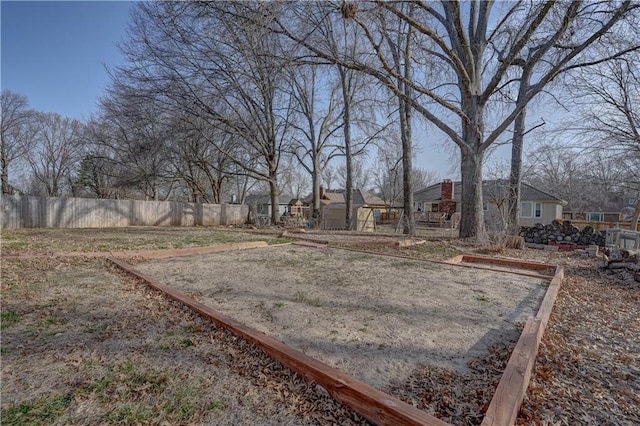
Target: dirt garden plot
373, 317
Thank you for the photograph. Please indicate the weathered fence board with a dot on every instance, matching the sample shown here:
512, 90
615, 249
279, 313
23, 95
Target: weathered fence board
53, 212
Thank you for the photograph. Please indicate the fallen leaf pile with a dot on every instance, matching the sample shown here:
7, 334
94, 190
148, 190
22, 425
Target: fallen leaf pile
457, 398
588, 365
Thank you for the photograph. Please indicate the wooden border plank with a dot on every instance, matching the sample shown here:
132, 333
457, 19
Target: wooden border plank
507, 262
455, 260
370, 402
450, 262
190, 251
544, 312
506, 401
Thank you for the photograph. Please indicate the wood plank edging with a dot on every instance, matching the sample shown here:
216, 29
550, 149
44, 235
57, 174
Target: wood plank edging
368, 401
544, 312
455, 261
506, 401
190, 251
507, 262
306, 243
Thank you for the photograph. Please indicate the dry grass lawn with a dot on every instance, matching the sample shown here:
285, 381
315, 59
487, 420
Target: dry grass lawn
82, 344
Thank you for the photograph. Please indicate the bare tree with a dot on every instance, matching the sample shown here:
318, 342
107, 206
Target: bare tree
400, 45
387, 178
197, 159
330, 176
227, 72
316, 122
100, 168
558, 170
55, 154
423, 178
388, 172
608, 104
136, 134
292, 179
17, 133
478, 50
361, 175
359, 123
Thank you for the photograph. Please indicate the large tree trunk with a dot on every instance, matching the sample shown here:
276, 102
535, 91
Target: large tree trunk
472, 156
517, 143
6, 188
407, 167
275, 202
472, 220
348, 195
407, 142
316, 178
515, 176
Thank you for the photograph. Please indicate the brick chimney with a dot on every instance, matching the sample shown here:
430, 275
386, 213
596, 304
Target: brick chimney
447, 205
321, 192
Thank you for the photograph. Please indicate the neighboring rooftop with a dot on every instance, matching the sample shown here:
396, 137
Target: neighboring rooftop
492, 189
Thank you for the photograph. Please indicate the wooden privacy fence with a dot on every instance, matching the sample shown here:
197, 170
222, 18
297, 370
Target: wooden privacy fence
599, 225
53, 212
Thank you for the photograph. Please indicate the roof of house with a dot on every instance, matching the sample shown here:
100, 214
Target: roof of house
360, 197
604, 202
491, 190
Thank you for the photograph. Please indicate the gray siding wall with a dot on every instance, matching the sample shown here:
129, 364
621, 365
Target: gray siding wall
53, 212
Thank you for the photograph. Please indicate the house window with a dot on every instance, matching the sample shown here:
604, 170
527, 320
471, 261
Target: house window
529, 209
595, 217
434, 208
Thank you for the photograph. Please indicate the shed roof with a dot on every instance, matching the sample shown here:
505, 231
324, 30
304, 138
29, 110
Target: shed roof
360, 197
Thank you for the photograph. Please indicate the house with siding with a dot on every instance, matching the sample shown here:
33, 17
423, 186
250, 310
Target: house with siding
604, 207
444, 198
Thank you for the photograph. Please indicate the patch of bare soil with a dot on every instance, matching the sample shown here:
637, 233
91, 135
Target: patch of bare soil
587, 368
373, 317
81, 345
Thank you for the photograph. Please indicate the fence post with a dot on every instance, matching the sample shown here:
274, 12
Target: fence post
223, 214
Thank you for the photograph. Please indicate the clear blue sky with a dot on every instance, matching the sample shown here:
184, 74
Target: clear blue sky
55, 53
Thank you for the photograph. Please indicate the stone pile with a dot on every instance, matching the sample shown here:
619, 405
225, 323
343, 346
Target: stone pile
562, 233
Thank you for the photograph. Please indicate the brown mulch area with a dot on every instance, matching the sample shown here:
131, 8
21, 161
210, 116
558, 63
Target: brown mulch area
456, 398
588, 365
